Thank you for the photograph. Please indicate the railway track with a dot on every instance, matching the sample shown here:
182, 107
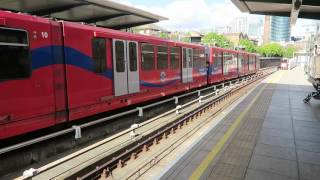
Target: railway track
101, 159
41, 150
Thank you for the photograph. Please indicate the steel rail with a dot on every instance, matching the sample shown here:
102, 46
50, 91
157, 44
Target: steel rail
45, 168
125, 132
111, 164
92, 123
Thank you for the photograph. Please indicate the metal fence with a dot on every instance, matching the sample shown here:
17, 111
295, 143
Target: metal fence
266, 62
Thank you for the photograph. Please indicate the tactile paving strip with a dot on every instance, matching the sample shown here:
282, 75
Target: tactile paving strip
189, 162
235, 157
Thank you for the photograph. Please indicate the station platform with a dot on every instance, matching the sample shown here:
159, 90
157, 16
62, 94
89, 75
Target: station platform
270, 135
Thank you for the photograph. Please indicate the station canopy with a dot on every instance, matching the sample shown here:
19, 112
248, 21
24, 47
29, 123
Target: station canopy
105, 13
309, 9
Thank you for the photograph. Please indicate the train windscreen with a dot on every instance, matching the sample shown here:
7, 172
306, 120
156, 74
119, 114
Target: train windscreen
15, 59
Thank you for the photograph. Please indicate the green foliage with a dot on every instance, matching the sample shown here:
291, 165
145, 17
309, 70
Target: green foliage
289, 52
186, 39
275, 50
174, 37
271, 50
164, 35
248, 45
135, 29
214, 39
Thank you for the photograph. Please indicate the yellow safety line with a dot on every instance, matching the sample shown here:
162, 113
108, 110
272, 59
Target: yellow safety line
217, 148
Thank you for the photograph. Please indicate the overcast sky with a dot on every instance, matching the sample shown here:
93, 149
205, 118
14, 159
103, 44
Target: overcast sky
198, 14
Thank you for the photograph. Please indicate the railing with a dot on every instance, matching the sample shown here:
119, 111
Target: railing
138, 110
106, 168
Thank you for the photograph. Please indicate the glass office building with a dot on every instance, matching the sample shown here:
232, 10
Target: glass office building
280, 29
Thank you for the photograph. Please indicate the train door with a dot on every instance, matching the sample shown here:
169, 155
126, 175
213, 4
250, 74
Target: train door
59, 72
125, 67
133, 72
207, 61
240, 64
187, 64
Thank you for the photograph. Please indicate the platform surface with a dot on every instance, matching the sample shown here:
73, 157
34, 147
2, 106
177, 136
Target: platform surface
270, 135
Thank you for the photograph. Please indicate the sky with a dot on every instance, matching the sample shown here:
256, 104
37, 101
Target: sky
186, 15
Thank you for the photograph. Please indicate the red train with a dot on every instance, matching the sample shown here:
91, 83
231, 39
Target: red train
52, 72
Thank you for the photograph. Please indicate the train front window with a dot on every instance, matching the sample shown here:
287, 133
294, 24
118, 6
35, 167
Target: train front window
15, 59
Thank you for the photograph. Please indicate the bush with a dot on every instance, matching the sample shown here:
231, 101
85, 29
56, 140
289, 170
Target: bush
289, 52
214, 39
271, 50
248, 45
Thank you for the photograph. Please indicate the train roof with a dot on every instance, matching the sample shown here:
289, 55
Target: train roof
102, 30
106, 32
110, 32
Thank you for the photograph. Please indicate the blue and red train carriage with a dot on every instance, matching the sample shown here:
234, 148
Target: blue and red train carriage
53, 72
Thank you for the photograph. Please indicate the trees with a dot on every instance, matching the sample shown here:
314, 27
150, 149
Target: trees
185, 39
214, 39
272, 49
248, 45
164, 35
289, 51
268, 50
275, 50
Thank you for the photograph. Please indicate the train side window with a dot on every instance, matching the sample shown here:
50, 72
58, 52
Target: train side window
99, 54
190, 57
202, 58
119, 54
228, 61
196, 59
162, 60
235, 59
175, 57
249, 62
15, 59
217, 59
133, 56
240, 57
246, 59
199, 60
184, 58
147, 57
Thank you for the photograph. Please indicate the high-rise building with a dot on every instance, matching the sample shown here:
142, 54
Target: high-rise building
266, 30
308, 29
280, 29
239, 25
255, 29
222, 29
